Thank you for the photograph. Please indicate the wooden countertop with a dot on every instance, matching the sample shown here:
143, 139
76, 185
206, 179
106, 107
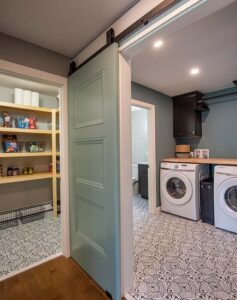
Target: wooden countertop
209, 161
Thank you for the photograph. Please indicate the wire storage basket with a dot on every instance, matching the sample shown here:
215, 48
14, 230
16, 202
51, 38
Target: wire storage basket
9, 219
31, 214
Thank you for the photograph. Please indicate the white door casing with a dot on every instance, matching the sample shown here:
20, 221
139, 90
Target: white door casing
151, 126
48, 78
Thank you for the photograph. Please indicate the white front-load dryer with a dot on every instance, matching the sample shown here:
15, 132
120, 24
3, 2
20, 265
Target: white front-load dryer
180, 188
225, 197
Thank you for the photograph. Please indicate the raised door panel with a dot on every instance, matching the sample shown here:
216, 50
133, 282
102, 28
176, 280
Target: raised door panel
89, 102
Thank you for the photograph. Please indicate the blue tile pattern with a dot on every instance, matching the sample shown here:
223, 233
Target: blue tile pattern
179, 259
29, 243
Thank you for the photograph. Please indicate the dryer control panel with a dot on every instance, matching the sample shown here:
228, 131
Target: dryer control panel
226, 170
180, 166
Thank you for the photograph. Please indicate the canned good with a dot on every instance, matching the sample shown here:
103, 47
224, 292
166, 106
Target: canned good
30, 170
15, 172
24, 171
9, 171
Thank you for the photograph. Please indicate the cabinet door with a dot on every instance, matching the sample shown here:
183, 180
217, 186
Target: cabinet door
184, 118
187, 121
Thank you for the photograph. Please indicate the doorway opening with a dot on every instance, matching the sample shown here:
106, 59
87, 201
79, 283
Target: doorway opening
170, 246
32, 211
143, 155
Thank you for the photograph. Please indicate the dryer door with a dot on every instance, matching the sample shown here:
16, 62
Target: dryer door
176, 188
227, 197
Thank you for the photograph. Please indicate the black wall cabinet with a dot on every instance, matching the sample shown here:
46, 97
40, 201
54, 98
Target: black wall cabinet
187, 121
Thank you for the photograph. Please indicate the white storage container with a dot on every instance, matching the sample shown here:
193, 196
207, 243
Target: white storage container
27, 97
35, 99
18, 96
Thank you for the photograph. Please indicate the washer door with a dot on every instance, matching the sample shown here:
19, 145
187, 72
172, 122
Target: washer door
176, 188
227, 197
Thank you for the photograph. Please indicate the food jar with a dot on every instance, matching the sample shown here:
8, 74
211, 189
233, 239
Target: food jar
9, 171
15, 171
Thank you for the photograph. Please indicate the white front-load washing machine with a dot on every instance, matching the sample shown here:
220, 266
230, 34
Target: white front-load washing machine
225, 197
180, 188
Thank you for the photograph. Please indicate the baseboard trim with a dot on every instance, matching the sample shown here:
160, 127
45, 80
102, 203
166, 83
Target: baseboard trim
157, 210
128, 297
30, 266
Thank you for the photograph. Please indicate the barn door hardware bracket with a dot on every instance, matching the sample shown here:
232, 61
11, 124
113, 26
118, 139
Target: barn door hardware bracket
158, 10
72, 68
110, 37
108, 295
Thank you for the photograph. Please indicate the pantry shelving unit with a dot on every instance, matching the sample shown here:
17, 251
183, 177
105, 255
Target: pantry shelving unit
23, 178
26, 154
53, 153
24, 131
22, 107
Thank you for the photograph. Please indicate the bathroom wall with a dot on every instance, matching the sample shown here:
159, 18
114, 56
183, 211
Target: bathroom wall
139, 136
165, 143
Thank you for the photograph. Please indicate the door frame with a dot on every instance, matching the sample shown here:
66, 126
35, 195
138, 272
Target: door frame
25, 72
151, 126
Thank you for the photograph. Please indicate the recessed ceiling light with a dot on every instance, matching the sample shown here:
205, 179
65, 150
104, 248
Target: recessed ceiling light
194, 71
158, 44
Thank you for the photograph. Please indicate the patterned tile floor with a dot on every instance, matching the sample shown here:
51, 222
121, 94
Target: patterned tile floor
29, 243
179, 259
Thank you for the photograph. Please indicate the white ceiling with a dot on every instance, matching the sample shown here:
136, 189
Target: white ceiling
209, 44
64, 26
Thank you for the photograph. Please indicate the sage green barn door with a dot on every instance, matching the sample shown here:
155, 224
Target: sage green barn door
94, 169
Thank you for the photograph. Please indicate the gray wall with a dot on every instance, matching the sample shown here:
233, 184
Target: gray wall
27, 54
220, 128
165, 143
25, 194
139, 136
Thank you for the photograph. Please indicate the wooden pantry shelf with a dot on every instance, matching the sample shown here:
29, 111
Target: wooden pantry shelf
24, 131
25, 154
22, 107
22, 178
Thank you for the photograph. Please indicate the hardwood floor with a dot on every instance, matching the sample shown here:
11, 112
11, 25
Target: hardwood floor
58, 279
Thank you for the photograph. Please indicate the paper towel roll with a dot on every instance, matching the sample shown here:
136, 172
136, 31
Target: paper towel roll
27, 97
18, 96
35, 99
